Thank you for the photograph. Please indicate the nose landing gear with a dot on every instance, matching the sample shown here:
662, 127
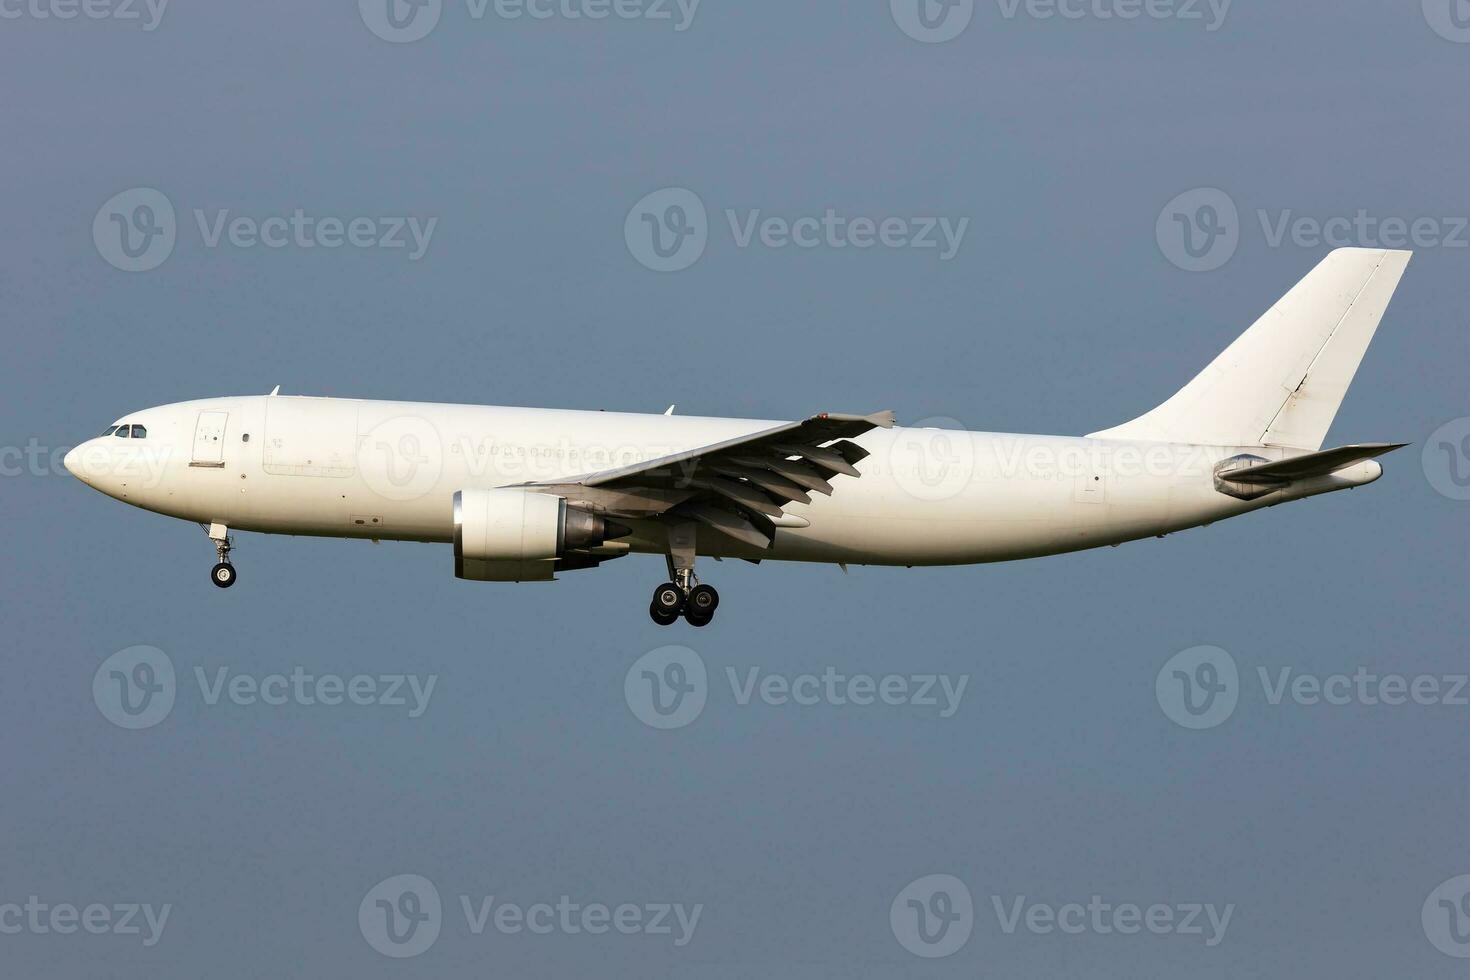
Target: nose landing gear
223, 573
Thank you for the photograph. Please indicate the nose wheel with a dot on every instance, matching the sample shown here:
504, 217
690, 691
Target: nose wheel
223, 573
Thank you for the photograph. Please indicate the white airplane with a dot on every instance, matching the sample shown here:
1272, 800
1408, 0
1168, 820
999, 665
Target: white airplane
525, 493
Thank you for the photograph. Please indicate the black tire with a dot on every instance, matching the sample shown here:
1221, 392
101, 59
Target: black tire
703, 600
662, 618
696, 619
223, 575
668, 599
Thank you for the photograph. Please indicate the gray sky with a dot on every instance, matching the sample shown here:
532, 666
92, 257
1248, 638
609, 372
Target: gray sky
527, 777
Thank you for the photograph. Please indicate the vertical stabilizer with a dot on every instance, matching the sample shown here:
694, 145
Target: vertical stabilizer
1282, 381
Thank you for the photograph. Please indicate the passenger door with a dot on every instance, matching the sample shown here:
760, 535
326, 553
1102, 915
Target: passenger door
209, 439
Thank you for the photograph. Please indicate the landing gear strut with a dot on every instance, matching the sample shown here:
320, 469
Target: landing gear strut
683, 594
223, 573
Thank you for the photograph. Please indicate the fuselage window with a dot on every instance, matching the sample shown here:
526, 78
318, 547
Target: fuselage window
139, 432
122, 432
110, 430
245, 437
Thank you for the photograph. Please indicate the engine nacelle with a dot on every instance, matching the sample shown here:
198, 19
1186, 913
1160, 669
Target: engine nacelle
511, 535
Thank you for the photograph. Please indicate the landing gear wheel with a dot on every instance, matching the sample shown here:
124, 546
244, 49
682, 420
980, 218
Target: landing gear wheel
662, 618
668, 600
703, 601
696, 619
223, 575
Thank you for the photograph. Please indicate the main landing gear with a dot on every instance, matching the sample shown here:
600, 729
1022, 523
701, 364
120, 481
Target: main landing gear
223, 573
683, 595
697, 605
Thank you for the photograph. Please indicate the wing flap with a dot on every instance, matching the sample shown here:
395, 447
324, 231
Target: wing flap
739, 486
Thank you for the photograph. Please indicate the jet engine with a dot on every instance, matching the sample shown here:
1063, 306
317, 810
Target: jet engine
513, 535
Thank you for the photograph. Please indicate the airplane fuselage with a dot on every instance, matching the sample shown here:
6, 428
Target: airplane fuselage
389, 470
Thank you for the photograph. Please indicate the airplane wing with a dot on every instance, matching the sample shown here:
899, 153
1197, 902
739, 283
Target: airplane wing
1312, 464
738, 486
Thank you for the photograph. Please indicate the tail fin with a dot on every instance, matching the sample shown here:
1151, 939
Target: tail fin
1282, 381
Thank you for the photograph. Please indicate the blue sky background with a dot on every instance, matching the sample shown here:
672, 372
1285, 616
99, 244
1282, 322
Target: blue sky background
528, 777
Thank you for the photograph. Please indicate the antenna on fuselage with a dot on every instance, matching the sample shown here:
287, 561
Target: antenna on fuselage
276, 390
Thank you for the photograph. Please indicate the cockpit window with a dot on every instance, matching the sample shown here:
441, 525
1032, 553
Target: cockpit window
139, 432
122, 432
110, 430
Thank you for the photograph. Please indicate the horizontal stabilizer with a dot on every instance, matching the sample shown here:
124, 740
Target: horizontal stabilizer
1312, 464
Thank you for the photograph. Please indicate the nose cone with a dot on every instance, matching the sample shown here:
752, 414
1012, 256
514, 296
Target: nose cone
85, 462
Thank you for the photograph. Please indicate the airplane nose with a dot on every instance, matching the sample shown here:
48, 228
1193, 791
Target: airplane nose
82, 462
